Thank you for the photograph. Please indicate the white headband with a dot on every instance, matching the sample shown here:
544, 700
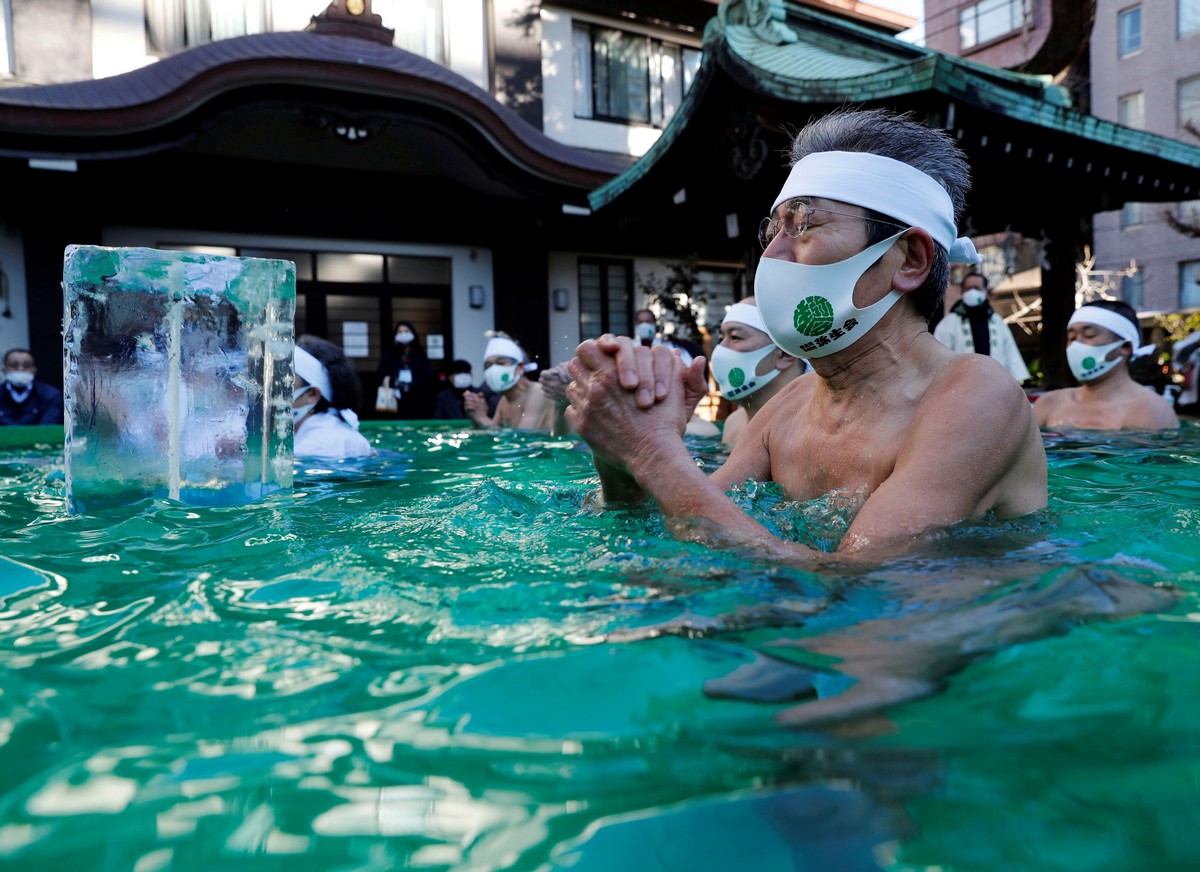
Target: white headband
746, 314
312, 371
499, 346
887, 186
1114, 323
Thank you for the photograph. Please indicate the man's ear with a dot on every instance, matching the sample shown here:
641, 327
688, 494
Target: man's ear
917, 247
785, 360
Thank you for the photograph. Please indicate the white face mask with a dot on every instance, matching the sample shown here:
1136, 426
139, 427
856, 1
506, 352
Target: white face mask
461, 380
809, 310
19, 378
736, 372
644, 331
1087, 361
499, 377
403, 337
974, 297
298, 412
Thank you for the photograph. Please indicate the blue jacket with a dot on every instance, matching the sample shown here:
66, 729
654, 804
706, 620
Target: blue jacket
44, 405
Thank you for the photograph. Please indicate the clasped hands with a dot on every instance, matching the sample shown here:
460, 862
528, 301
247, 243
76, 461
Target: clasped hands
625, 397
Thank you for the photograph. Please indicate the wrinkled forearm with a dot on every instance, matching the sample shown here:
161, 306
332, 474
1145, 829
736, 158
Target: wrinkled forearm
697, 510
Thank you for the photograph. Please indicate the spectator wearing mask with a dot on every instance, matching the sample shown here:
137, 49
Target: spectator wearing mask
645, 332
972, 325
409, 373
448, 404
24, 399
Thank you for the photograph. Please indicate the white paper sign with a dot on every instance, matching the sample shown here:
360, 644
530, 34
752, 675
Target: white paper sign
354, 339
435, 346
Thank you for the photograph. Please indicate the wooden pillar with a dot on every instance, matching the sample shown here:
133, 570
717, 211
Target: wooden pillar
1067, 238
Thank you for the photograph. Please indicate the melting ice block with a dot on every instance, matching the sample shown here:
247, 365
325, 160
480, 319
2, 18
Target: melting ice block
177, 376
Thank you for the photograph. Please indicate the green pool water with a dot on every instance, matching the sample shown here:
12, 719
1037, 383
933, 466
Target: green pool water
442, 658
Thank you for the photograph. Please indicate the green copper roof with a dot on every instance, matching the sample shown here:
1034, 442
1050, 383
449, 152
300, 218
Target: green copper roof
796, 54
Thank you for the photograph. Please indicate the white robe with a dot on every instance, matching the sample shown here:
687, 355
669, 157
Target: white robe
327, 435
954, 331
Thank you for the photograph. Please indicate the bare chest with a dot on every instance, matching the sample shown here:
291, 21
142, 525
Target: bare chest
529, 411
811, 459
1073, 411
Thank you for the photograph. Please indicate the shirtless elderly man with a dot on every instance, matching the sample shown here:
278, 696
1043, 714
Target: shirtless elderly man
922, 436
1104, 336
523, 405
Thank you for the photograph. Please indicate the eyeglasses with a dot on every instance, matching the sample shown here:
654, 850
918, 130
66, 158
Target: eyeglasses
796, 216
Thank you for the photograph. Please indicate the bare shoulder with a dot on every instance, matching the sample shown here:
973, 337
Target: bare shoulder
1049, 403
1152, 411
735, 423
976, 381
976, 418
974, 401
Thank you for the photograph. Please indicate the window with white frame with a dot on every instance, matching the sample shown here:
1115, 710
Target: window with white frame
1189, 284
605, 297
1188, 91
173, 25
1131, 110
1133, 214
629, 77
990, 19
1129, 31
1188, 17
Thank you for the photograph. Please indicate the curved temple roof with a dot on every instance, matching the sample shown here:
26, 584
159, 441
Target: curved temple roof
263, 95
784, 60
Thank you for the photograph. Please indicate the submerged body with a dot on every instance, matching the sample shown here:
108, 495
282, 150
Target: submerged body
1100, 407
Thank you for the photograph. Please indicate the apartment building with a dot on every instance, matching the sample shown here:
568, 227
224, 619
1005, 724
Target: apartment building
1145, 74
1133, 63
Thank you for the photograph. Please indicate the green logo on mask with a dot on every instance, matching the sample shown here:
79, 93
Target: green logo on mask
1089, 362
737, 378
504, 377
813, 316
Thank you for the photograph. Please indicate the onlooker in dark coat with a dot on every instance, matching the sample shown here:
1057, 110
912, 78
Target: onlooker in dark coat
448, 404
24, 399
410, 373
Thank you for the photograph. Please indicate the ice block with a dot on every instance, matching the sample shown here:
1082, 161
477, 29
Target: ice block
177, 371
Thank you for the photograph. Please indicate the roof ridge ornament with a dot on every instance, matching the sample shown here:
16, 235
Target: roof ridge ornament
765, 18
352, 18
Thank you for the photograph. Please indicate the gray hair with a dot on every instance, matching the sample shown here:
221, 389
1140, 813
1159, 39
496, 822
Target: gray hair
903, 138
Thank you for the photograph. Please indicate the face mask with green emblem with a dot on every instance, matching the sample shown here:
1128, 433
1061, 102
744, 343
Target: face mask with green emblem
809, 309
736, 371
